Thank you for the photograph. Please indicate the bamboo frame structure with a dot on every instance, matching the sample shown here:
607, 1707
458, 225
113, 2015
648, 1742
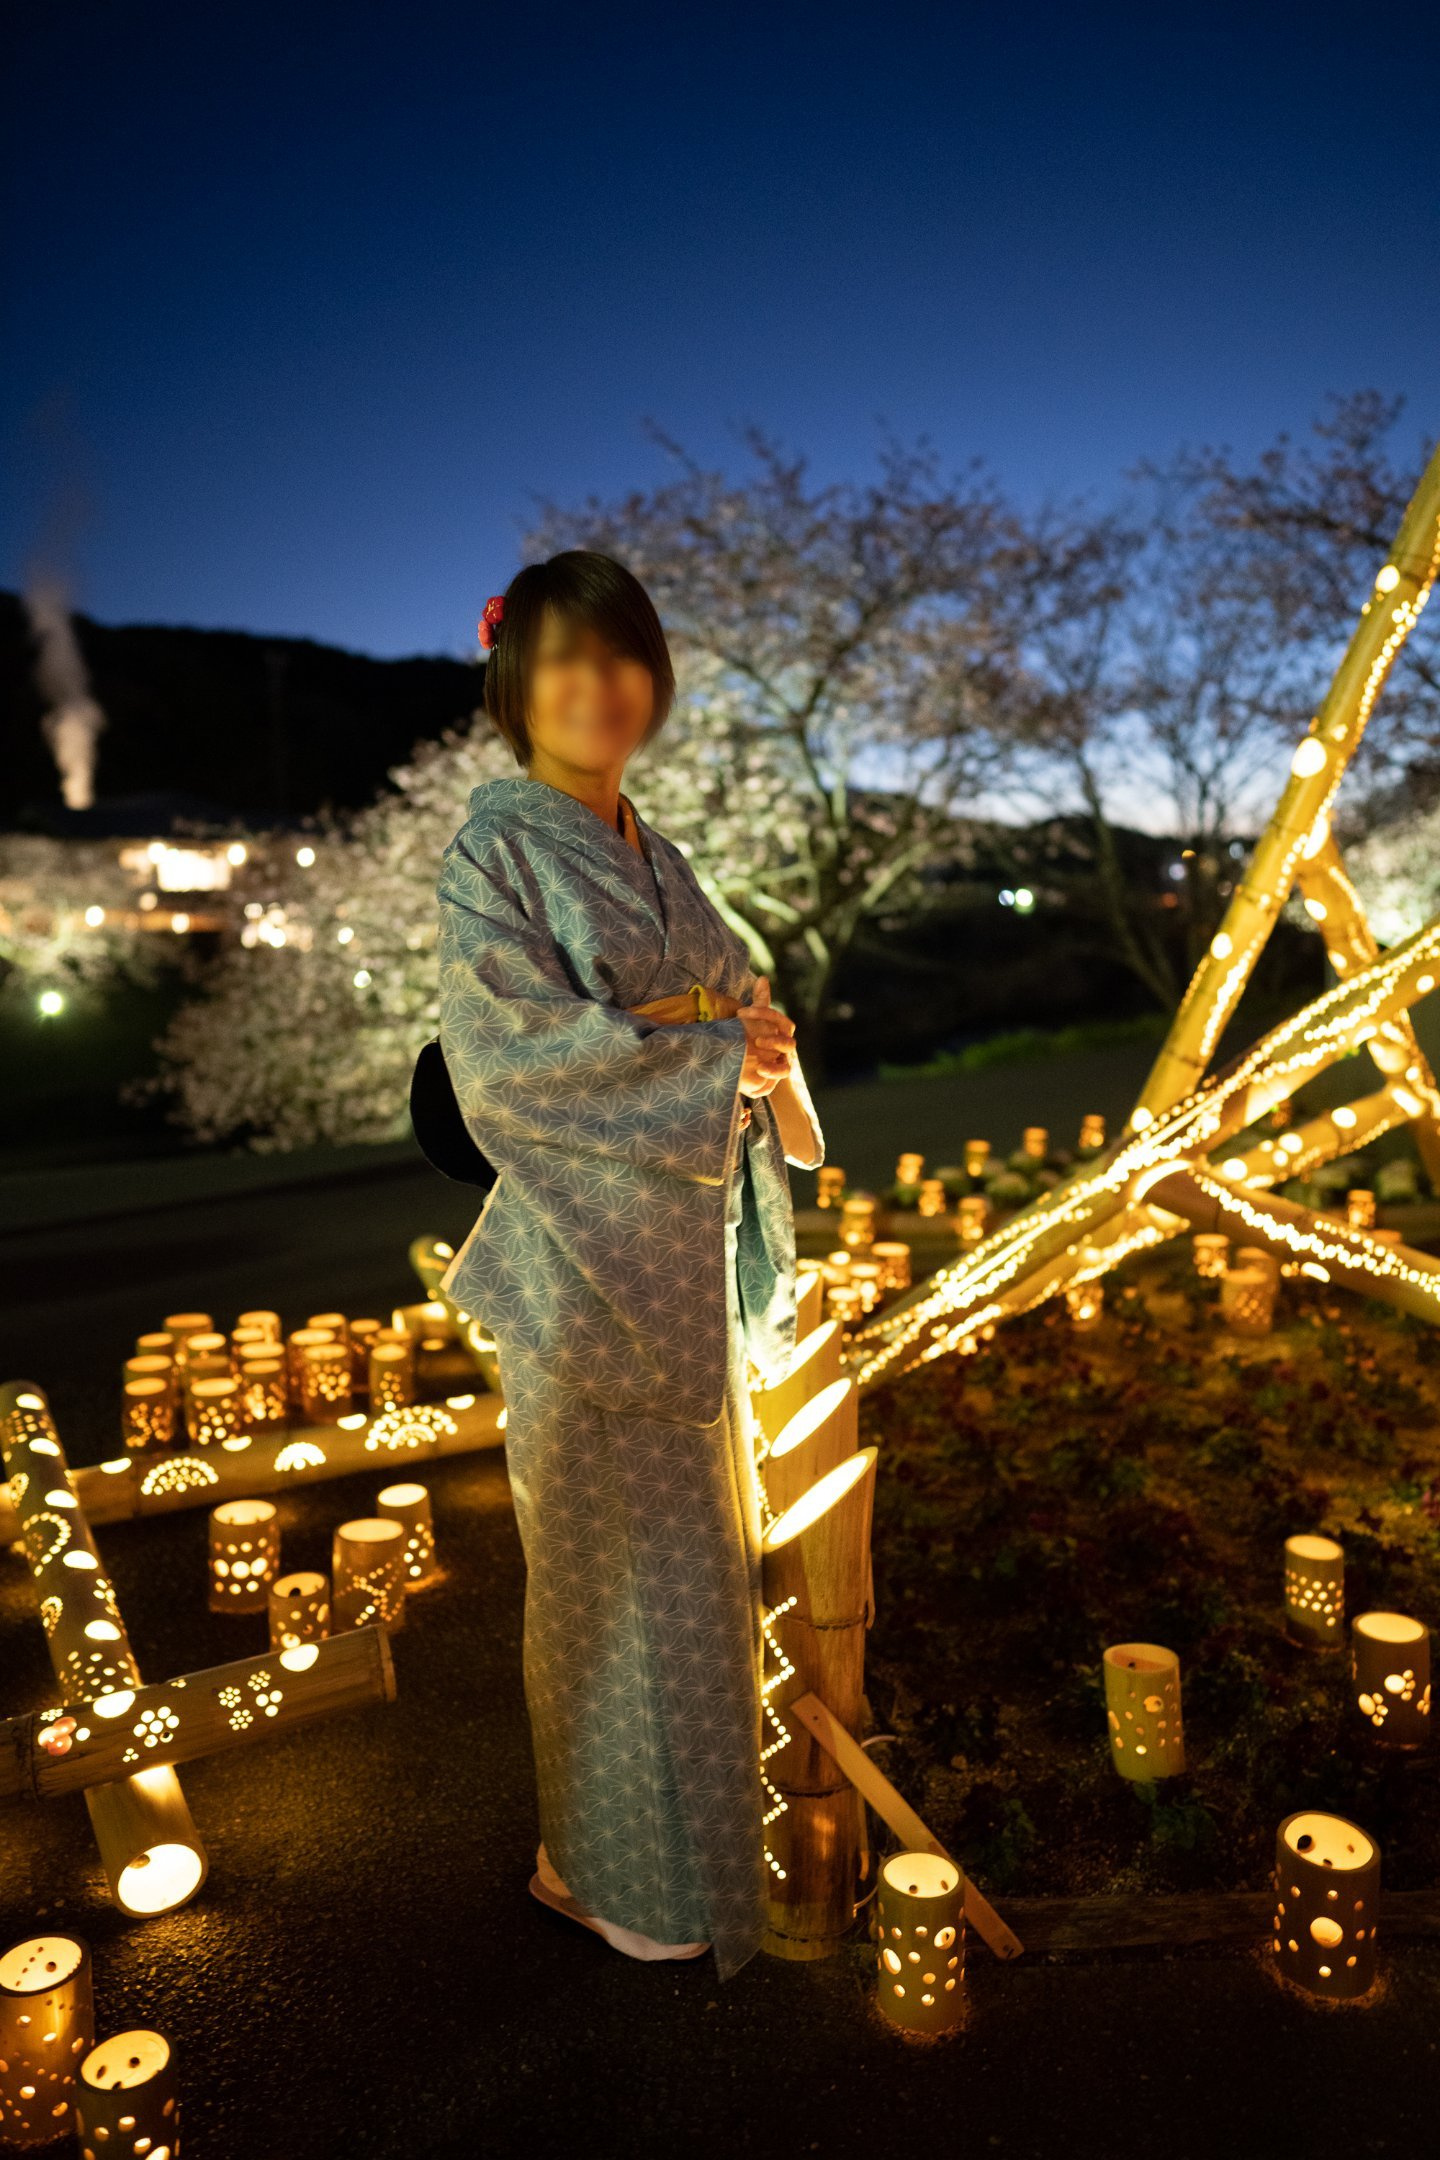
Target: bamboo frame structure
94, 1740
149, 1846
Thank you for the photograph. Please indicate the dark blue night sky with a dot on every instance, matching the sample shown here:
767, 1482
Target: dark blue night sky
307, 305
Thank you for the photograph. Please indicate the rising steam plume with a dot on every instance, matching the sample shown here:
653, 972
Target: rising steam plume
73, 720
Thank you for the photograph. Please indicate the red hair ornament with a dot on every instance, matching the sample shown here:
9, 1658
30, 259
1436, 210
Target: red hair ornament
490, 620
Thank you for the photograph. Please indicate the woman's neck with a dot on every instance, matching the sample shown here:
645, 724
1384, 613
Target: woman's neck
599, 792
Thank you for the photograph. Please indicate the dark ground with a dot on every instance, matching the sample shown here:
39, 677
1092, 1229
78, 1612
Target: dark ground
364, 1972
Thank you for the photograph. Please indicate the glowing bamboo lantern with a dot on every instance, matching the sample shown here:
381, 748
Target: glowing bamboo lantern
932, 1198
337, 1323
409, 1505
1360, 1208
892, 1257
974, 1218
268, 1322
204, 1352
920, 1925
844, 1304
47, 2022
325, 1386
392, 1374
1247, 1300
1388, 1237
1035, 1142
835, 1267
1315, 1591
1390, 1670
1211, 1249
368, 1573
264, 1391
300, 1609
977, 1157
809, 1301
1142, 1705
1085, 1303
149, 1846
147, 1414
814, 1364
244, 1554
865, 1277
815, 1560
1092, 1133
821, 1433
128, 2103
214, 1409
1259, 1256
180, 1324
909, 1168
857, 1222
157, 1344
362, 1338
1327, 1903
250, 1338
297, 1342
830, 1186
151, 1365
87, 1744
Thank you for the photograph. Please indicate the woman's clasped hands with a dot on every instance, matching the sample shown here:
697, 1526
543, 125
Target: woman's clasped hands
769, 1043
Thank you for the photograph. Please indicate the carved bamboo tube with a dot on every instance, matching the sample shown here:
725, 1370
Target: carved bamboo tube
815, 1365
90, 1742
820, 1434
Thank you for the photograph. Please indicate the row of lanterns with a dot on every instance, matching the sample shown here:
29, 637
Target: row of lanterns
120, 2099
375, 1560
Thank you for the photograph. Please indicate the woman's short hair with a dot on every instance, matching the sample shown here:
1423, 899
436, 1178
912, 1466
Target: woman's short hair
588, 591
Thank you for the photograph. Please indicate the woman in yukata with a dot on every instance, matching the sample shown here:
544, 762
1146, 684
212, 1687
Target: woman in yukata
621, 1065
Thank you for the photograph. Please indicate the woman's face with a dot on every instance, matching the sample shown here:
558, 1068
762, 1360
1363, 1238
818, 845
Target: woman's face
589, 708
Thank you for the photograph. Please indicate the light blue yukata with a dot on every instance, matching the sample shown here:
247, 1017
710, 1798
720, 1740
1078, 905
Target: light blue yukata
639, 1242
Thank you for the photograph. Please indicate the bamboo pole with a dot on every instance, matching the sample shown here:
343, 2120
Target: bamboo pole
809, 1301
1386, 619
91, 1741
820, 1434
150, 1848
815, 1365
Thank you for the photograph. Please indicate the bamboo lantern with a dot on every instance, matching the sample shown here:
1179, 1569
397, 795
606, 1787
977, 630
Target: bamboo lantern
1388, 1237
206, 1351
149, 1846
835, 1267
325, 1385
158, 1344
830, 1185
1360, 1209
269, 1322
809, 1301
1314, 1591
214, 1409
392, 1374
264, 1391
1142, 1703
909, 1169
815, 1560
1211, 1249
823, 1432
147, 1415
47, 2022
128, 2104
244, 1555
300, 1610
89, 1744
857, 1222
977, 1157
180, 1324
337, 1323
362, 1338
409, 1505
1259, 1256
844, 1305
920, 1921
297, 1342
1390, 1669
151, 1365
865, 1277
368, 1573
892, 1257
1327, 1902
974, 1217
814, 1364
249, 1336
1035, 1142
1247, 1300
1092, 1132
1085, 1303
932, 1198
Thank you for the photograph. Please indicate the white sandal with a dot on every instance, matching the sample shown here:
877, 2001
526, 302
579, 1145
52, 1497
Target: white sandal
546, 1885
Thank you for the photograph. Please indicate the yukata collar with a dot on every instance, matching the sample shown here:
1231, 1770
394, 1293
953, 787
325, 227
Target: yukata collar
551, 808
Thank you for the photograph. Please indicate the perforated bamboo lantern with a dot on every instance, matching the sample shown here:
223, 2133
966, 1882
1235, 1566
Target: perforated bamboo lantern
1390, 1671
932, 1198
337, 1323
326, 1391
1142, 1705
1360, 1208
1247, 1300
809, 1301
152, 1365
974, 1218
909, 1168
264, 1319
836, 1265
264, 1392
1327, 1903
1315, 1591
249, 1336
829, 1186
368, 1573
920, 1923
147, 1414
409, 1505
857, 1222
299, 1609
47, 2023
214, 1409
823, 1432
158, 1343
844, 1304
244, 1555
814, 1364
207, 1351
180, 1324
297, 1342
127, 2106
1092, 1133
1035, 1142
1085, 1303
1259, 1256
977, 1157
1211, 1249
865, 1277
392, 1374
363, 1334
892, 1257
815, 1565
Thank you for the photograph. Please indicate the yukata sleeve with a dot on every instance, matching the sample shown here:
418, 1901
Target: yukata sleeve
537, 1063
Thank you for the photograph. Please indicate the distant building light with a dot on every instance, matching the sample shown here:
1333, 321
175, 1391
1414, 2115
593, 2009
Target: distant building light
1007, 898
236, 852
344, 936
50, 1002
180, 923
148, 900
362, 978
1024, 898
1177, 869
94, 916
305, 856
